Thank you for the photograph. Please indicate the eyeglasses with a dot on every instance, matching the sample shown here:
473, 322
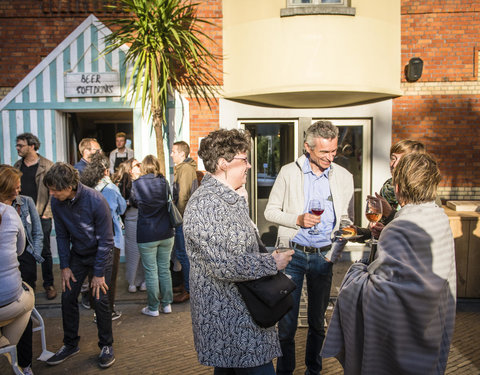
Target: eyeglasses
245, 159
20, 146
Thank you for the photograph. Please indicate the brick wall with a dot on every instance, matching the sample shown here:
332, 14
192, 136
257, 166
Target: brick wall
203, 120
31, 29
442, 109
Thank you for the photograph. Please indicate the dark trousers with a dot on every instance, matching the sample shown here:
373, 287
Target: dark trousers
28, 271
112, 287
180, 252
47, 264
81, 266
113, 282
319, 280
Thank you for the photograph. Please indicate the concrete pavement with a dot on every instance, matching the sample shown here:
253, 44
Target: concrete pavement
164, 345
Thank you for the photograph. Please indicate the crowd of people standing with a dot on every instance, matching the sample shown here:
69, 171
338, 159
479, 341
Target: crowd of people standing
103, 204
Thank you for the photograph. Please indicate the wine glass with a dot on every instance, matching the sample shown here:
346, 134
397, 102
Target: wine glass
373, 212
316, 207
284, 243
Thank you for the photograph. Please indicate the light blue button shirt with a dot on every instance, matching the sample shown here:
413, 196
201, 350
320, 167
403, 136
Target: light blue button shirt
317, 187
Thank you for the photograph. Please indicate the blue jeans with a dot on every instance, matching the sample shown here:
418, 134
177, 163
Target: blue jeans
319, 280
156, 264
266, 369
181, 254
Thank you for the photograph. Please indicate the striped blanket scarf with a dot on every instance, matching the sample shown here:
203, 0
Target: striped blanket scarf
397, 315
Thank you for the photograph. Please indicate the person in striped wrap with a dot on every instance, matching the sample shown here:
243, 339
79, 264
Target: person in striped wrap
397, 314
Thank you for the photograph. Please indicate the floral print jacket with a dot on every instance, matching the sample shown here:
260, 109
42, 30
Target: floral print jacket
223, 249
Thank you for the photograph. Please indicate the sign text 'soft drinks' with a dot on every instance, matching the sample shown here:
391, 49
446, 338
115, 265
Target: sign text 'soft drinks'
84, 85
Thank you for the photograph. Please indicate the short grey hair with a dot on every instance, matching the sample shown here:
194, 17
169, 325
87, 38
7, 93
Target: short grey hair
320, 129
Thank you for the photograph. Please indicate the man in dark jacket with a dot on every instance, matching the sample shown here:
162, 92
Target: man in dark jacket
34, 167
84, 230
87, 147
184, 181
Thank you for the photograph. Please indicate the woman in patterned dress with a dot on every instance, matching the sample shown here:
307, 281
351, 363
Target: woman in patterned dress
223, 249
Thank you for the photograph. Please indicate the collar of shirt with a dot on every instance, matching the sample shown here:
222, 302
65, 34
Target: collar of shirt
317, 187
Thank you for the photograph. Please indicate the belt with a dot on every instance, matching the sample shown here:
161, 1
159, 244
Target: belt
310, 249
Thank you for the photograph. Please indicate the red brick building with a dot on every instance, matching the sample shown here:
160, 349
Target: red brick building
441, 109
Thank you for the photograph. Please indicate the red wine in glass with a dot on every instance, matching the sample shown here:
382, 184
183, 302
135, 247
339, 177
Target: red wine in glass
316, 207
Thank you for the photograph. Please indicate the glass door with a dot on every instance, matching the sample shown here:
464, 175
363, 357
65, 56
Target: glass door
354, 150
273, 146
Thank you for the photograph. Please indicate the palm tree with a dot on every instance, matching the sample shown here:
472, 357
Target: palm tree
166, 53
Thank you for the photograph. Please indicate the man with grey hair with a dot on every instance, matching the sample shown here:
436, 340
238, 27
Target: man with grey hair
312, 176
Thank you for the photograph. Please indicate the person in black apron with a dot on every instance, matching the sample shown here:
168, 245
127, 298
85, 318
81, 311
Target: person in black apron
121, 153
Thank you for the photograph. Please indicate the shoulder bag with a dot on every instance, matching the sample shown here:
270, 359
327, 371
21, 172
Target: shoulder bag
269, 298
175, 216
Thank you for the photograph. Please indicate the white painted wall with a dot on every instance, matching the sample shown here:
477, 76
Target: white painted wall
380, 113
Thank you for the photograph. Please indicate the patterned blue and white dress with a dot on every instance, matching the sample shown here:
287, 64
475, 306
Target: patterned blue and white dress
222, 249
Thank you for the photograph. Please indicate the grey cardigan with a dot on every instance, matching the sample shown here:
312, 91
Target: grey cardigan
286, 200
12, 245
222, 248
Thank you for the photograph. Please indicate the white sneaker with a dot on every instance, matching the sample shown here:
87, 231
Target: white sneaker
132, 288
167, 309
149, 312
143, 287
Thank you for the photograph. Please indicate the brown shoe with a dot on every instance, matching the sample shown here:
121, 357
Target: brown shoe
182, 297
51, 292
178, 289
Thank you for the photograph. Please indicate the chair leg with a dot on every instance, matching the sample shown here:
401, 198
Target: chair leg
15, 367
11, 352
41, 327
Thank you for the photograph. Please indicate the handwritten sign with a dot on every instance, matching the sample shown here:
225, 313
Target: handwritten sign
84, 85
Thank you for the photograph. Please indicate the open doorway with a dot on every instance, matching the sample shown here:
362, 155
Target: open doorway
101, 125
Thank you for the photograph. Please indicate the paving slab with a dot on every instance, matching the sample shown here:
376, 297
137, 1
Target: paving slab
164, 345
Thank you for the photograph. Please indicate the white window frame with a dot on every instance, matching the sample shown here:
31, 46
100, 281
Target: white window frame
342, 3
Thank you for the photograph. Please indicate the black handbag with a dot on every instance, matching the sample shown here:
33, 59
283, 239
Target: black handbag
175, 216
269, 298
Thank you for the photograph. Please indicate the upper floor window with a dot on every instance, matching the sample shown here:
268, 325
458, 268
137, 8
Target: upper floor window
311, 7
315, 2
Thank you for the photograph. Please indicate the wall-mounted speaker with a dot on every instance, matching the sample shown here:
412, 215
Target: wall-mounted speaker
413, 70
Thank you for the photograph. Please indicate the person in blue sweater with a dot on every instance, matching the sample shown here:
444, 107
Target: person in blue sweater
84, 232
154, 235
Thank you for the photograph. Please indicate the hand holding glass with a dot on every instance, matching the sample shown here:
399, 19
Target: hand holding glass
373, 212
284, 243
347, 229
316, 207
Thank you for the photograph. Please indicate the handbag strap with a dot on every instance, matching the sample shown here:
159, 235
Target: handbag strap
167, 191
261, 246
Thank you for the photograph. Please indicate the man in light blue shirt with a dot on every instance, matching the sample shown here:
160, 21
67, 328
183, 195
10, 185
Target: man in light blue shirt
311, 176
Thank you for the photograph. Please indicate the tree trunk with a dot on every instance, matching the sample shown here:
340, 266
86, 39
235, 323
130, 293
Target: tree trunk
157, 125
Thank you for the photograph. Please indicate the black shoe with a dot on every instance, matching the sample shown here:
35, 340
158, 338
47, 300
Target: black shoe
115, 315
86, 300
106, 357
64, 353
